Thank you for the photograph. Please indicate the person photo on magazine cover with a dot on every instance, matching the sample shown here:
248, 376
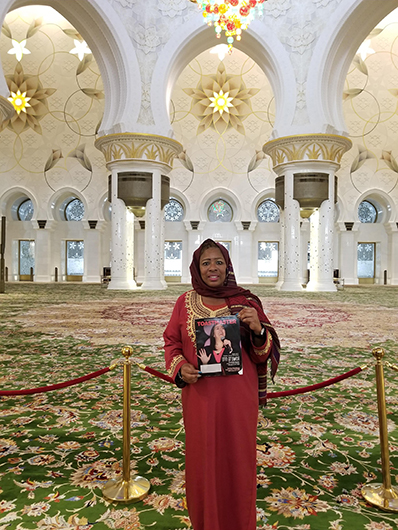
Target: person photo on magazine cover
219, 344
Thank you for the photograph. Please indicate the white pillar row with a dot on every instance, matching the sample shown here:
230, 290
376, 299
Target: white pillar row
43, 245
281, 264
305, 238
92, 248
292, 246
135, 153
322, 241
154, 238
348, 253
298, 155
122, 242
195, 238
392, 267
246, 268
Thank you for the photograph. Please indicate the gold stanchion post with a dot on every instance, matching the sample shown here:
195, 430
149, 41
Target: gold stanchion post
383, 496
126, 489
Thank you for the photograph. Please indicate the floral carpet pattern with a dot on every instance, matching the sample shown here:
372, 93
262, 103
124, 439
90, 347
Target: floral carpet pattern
315, 451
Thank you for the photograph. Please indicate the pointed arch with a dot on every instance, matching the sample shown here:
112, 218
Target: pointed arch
259, 42
347, 28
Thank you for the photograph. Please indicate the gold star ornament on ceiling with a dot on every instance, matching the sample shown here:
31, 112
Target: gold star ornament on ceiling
221, 101
19, 101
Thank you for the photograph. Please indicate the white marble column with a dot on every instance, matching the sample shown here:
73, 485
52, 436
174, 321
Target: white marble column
44, 272
195, 238
138, 152
392, 267
291, 238
154, 242
311, 154
321, 244
349, 254
246, 268
92, 253
122, 243
281, 262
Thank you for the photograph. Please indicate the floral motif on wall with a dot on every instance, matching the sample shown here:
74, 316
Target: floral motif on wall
29, 88
221, 101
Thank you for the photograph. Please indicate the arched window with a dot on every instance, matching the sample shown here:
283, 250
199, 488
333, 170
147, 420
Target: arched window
268, 212
220, 210
25, 210
367, 212
74, 210
173, 211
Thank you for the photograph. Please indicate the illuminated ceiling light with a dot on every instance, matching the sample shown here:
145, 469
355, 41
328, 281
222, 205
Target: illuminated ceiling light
221, 50
364, 50
18, 49
19, 101
221, 102
230, 16
81, 49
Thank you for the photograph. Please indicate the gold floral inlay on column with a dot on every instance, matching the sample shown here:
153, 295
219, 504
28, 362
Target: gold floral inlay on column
135, 146
321, 147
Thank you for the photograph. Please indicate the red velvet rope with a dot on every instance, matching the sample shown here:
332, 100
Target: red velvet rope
54, 387
165, 377
158, 374
310, 388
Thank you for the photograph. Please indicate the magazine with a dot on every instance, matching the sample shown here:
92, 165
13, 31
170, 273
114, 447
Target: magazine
218, 345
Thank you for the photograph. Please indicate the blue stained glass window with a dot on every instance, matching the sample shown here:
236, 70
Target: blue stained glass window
367, 213
173, 211
220, 210
268, 212
25, 210
74, 210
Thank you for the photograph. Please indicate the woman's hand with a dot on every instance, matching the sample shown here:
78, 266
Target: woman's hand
203, 356
249, 316
227, 342
189, 373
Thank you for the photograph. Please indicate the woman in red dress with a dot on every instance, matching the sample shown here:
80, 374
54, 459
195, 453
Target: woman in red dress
220, 413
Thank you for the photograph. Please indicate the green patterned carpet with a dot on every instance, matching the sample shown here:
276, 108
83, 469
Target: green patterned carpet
58, 449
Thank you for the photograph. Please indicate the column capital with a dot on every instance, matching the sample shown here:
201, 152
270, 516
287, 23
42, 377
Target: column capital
7, 110
309, 148
138, 147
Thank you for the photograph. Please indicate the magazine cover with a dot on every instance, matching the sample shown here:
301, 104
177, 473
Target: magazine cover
218, 345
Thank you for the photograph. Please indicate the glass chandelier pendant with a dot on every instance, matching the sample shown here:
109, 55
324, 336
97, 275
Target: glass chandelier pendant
230, 17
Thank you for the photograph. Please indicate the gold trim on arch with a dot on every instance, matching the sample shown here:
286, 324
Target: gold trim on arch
307, 147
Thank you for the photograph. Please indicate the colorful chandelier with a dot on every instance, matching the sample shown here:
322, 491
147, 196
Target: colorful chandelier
230, 16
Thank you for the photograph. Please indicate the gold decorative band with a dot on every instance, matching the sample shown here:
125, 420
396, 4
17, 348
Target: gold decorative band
137, 146
321, 147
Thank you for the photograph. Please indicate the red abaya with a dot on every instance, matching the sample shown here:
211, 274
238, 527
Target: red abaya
220, 418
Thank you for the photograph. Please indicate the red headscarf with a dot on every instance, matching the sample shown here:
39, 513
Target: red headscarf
236, 298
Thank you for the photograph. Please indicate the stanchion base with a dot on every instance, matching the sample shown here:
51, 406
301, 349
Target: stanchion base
123, 491
378, 495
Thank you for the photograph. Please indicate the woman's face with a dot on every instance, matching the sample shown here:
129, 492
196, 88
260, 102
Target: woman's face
213, 268
219, 331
